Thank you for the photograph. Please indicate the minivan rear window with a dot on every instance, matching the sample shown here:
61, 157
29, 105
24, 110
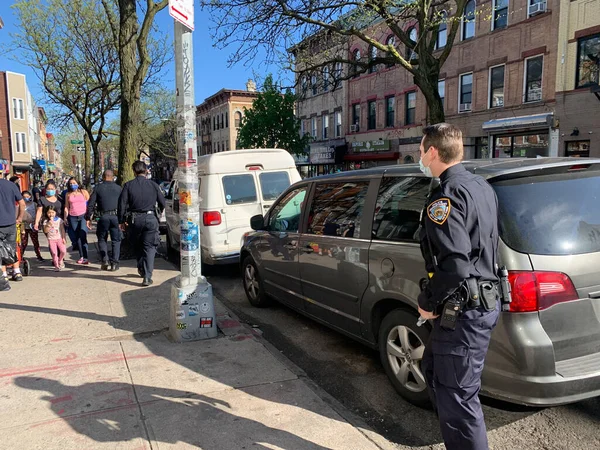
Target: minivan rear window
555, 214
239, 189
273, 183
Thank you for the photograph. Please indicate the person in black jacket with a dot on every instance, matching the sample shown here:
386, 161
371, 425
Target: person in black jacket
105, 199
137, 209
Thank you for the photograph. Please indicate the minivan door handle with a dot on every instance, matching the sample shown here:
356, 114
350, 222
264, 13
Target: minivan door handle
266, 206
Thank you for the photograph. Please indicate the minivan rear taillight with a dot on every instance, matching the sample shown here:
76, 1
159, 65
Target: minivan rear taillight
534, 291
211, 218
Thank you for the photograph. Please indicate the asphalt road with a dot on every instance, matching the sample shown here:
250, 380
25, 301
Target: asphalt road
352, 373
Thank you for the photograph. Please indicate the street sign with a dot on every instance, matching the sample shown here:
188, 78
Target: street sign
81, 149
183, 12
76, 142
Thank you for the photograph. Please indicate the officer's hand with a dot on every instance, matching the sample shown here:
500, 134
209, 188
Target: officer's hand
122, 226
427, 314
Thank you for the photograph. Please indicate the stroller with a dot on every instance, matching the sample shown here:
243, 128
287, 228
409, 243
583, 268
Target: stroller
23, 262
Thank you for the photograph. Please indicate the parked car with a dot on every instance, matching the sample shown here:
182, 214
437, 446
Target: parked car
343, 249
234, 186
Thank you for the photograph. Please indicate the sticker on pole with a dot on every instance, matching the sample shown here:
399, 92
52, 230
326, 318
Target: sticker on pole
183, 12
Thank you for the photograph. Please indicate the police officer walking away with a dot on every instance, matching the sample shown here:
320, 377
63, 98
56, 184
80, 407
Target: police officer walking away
459, 240
137, 208
105, 199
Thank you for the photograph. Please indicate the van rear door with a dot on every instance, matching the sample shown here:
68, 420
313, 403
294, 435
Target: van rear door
272, 184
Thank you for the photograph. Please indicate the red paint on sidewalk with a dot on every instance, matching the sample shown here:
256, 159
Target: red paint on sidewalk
66, 398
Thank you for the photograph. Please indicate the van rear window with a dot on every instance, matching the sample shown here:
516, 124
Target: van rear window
239, 189
555, 214
273, 183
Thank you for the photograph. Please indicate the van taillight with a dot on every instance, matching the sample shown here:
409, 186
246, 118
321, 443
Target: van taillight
211, 218
534, 291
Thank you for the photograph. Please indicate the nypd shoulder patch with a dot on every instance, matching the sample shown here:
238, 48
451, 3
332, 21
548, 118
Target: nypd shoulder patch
439, 210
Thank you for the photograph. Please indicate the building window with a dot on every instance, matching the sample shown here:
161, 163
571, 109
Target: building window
578, 148
337, 75
18, 109
536, 7
496, 87
325, 79
500, 16
372, 57
238, 119
304, 86
468, 21
390, 111
588, 61
465, 94
442, 91
313, 84
356, 59
355, 117
21, 143
411, 107
338, 123
222, 120
226, 119
533, 78
302, 128
442, 33
391, 42
371, 115
325, 126
214, 123
314, 127
413, 36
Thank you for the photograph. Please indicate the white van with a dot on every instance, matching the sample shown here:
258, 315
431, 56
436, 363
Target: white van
234, 186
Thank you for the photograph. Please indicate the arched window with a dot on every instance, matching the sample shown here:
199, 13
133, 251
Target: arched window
413, 36
325, 78
356, 58
304, 86
313, 84
238, 119
337, 75
468, 21
442, 34
372, 57
390, 41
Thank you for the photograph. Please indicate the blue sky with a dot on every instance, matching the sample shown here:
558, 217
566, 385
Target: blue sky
210, 64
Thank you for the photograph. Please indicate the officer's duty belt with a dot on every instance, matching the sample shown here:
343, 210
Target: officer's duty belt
142, 212
112, 212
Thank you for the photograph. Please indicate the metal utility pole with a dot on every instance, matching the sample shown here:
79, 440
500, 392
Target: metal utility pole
192, 306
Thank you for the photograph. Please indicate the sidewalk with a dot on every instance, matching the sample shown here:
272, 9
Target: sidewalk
86, 364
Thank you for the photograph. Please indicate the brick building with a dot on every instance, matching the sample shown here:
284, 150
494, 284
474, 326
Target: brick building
218, 118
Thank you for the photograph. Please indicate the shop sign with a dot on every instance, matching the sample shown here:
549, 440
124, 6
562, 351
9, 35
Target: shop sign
322, 155
371, 146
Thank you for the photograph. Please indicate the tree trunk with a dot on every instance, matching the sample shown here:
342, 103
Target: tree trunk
97, 162
130, 94
86, 163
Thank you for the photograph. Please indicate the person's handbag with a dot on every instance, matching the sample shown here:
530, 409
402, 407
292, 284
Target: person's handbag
8, 254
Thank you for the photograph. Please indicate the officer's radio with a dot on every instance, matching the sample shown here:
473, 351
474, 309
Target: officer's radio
505, 287
450, 313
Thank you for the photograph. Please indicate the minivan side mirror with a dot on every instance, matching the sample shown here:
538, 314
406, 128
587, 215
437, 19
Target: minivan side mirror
257, 223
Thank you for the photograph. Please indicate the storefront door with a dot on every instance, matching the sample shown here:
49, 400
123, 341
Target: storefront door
526, 145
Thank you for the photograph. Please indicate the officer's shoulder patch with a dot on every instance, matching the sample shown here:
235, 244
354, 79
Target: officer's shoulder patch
439, 210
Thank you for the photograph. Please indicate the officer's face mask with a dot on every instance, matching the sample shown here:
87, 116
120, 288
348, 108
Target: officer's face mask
425, 169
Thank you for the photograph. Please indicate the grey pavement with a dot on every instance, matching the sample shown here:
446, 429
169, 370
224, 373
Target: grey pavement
86, 363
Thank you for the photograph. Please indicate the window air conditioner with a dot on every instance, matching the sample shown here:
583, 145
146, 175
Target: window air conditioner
536, 8
464, 107
354, 128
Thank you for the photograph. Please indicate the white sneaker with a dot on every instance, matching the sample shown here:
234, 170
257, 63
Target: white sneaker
57, 269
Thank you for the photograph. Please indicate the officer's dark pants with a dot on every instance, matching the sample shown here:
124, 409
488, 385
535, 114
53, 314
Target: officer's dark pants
144, 237
109, 224
452, 365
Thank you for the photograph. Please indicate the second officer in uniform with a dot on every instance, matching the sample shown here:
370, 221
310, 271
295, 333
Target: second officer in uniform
137, 208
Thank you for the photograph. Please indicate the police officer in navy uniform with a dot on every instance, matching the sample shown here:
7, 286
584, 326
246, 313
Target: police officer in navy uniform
137, 208
105, 200
459, 241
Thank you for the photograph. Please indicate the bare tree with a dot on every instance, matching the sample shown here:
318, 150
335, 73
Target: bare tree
305, 27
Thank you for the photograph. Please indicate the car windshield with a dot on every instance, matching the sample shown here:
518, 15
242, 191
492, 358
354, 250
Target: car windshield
273, 183
554, 214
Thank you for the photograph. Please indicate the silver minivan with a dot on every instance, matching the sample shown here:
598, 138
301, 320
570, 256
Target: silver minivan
343, 249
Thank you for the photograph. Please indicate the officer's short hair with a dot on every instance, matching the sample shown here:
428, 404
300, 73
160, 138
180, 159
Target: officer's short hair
139, 167
447, 138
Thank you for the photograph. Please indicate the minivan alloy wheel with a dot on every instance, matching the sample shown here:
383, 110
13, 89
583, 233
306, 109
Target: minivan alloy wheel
405, 351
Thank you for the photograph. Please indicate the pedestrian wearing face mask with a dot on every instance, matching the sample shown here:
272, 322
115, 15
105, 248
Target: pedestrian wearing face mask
27, 229
51, 198
75, 211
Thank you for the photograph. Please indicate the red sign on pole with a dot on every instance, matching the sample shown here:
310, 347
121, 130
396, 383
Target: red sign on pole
183, 12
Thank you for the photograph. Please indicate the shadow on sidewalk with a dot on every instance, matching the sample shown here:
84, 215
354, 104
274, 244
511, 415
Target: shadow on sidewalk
202, 419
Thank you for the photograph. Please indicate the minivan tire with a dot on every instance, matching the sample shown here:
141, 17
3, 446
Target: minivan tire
404, 355
253, 285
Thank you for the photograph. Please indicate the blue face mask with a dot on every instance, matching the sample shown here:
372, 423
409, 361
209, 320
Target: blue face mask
27, 199
425, 170
74, 187
50, 192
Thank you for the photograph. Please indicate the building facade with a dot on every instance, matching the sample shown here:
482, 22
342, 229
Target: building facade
218, 119
577, 78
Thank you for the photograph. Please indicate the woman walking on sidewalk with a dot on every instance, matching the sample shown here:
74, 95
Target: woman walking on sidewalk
50, 198
55, 232
28, 229
75, 210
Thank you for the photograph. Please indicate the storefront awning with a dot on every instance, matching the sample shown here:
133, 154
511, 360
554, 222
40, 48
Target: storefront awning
513, 123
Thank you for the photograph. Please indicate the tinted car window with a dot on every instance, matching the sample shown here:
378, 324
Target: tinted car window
239, 189
337, 209
398, 208
551, 214
285, 216
273, 183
